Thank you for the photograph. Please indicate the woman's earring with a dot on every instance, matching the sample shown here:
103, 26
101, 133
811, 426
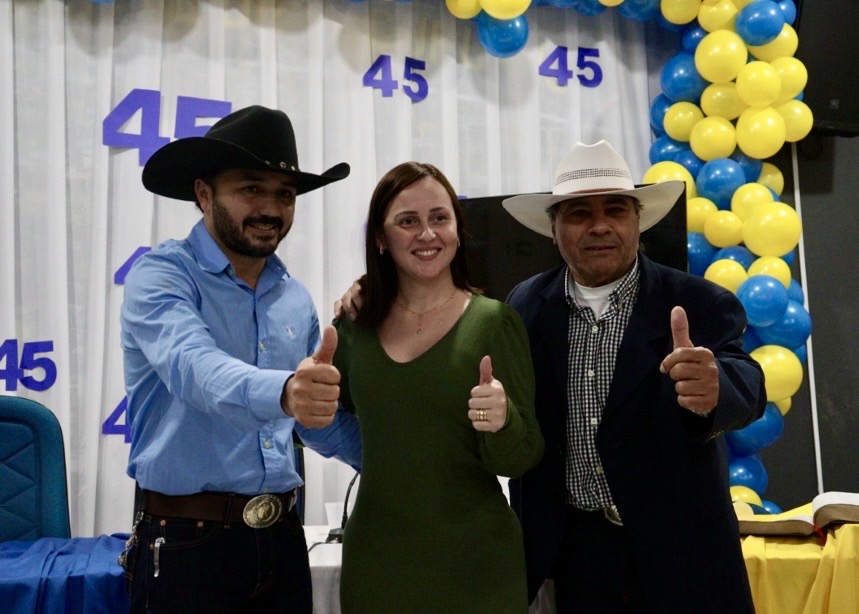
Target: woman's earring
457, 241
381, 250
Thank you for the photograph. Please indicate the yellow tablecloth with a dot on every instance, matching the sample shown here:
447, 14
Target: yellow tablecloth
805, 575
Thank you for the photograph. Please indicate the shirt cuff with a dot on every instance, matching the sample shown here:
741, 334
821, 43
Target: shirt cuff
264, 394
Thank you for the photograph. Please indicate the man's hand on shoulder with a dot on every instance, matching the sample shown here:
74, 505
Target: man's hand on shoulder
310, 395
350, 302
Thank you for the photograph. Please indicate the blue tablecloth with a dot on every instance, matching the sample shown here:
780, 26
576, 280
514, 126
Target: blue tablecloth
63, 575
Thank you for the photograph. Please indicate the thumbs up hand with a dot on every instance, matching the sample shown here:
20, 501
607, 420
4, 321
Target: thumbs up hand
310, 396
692, 368
487, 407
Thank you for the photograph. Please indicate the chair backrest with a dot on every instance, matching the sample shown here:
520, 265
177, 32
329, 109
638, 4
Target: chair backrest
34, 499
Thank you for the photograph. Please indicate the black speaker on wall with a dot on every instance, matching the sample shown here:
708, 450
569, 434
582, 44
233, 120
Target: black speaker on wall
829, 48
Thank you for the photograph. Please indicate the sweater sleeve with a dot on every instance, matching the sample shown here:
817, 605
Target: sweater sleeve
518, 446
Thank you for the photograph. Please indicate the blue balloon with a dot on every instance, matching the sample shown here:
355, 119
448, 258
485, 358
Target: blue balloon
759, 22
639, 10
761, 433
737, 253
688, 160
765, 300
789, 257
680, 80
699, 252
788, 8
791, 330
665, 148
748, 471
502, 37
718, 180
658, 108
563, 4
691, 36
751, 341
801, 353
771, 507
795, 293
751, 166
589, 7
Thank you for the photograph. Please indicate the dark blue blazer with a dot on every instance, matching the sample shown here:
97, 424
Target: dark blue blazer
666, 467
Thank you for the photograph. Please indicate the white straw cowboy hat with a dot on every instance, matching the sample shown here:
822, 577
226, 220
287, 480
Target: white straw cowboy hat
590, 170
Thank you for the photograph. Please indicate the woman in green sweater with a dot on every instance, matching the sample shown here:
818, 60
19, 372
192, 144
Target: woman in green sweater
441, 381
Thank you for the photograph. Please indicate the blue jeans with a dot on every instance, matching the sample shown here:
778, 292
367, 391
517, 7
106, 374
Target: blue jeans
203, 566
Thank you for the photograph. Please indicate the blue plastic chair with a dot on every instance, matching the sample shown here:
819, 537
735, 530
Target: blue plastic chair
34, 499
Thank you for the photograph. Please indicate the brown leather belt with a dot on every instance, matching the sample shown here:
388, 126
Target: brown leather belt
258, 511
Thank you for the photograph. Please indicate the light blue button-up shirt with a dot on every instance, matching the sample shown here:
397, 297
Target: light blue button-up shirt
206, 360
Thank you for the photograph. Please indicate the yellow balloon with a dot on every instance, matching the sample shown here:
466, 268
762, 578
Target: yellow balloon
610, 2
679, 11
758, 84
740, 4
782, 371
463, 9
745, 495
671, 171
747, 197
794, 77
771, 177
679, 119
773, 229
773, 266
727, 273
781, 46
720, 55
698, 209
505, 9
722, 100
713, 137
724, 229
784, 405
798, 120
760, 132
718, 15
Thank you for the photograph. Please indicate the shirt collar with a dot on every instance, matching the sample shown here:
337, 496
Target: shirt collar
623, 291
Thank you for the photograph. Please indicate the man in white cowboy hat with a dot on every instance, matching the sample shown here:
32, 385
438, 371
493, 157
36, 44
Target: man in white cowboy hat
223, 361
639, 369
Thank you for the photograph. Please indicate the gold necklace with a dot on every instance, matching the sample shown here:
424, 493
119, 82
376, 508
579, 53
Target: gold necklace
421, 314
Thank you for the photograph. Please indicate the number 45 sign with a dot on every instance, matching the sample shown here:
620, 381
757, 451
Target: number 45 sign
148, 104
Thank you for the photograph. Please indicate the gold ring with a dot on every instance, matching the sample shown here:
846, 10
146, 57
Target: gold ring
481, 415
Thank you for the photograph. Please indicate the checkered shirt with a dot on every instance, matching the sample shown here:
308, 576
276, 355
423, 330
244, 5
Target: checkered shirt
593, 349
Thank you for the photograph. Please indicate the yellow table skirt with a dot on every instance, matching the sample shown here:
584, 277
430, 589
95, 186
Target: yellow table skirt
805, 575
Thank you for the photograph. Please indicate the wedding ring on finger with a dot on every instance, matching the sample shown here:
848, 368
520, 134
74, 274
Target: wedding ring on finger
481, 415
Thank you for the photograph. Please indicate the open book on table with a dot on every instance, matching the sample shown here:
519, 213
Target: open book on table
829, 508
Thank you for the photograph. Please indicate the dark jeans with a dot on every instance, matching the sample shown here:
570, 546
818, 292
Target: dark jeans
595, 573
206, 567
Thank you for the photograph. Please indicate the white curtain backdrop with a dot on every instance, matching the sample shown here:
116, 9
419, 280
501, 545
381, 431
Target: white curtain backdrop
73, 210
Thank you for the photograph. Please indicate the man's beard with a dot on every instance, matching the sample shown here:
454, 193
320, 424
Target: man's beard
230, 233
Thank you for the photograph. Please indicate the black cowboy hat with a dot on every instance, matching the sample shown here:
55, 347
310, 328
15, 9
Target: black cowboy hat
254, 137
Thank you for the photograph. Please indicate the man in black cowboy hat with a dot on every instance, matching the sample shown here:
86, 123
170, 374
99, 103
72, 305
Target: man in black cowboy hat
223, 360
639, 368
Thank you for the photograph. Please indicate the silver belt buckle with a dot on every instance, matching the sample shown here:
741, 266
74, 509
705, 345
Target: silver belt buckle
612, 515
262, 511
